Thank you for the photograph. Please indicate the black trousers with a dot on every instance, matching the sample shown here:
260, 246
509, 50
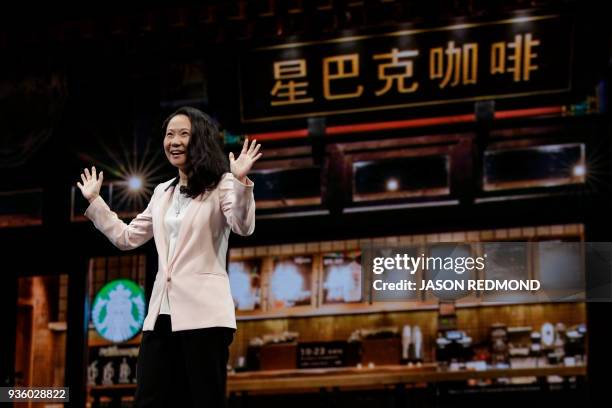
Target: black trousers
184, 368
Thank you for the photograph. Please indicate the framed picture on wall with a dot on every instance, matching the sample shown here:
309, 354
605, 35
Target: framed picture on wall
395, 275
342, 280
245, 282
559, 265
506, 261
446, 263
290, 283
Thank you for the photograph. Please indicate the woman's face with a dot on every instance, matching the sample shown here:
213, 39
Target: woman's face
176, 140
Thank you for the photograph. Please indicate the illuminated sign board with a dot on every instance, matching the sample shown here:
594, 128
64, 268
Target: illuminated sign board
471, 61
118, 310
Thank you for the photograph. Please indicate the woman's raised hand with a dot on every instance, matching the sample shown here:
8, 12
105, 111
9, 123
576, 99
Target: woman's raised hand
91, 184
241, 166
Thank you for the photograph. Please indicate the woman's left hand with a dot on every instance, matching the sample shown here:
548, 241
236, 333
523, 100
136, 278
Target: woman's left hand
241, 166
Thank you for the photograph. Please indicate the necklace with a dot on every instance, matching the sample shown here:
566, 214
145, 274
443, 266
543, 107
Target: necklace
180, 202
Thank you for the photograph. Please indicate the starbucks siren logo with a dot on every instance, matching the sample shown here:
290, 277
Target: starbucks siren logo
118, 310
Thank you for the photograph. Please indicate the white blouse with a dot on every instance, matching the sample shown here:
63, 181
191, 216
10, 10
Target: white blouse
172, 224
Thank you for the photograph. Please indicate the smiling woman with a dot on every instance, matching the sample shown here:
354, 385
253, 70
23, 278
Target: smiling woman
190, 322
176, 141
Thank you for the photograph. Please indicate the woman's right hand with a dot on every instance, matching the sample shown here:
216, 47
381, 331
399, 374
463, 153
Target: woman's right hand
91, 184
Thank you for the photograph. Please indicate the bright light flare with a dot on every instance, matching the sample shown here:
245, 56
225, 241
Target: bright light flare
579, 170
135, 183
392, 184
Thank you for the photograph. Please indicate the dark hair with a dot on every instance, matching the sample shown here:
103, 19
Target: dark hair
206, 160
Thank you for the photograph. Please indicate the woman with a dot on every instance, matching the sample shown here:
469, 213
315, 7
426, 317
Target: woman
190, 323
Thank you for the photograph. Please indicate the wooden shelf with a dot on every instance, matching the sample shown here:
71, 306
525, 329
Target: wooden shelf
314, 380
282, 381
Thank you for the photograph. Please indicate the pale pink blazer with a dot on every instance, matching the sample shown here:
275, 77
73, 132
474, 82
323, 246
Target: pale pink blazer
196, 278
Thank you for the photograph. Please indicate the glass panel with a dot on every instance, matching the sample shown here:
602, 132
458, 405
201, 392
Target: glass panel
395, 178
540, 166
21, 208
287, 187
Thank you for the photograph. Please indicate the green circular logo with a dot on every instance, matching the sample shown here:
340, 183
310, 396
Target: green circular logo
118, 310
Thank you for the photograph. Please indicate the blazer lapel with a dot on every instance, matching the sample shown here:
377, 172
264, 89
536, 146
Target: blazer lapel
188, 221
162, 208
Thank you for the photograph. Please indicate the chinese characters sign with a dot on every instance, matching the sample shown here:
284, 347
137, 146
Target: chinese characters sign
516, 57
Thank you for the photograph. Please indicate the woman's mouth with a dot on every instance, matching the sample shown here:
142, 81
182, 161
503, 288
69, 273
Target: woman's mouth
176, 153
